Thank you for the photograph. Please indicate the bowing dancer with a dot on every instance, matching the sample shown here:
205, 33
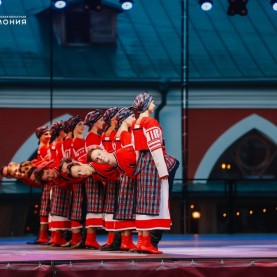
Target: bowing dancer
60, 201
152, 172
20, 170
12, 170
72, 169
23, 171
61, 193
99, 172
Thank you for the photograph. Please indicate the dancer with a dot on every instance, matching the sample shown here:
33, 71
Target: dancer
111, 188
94, 188
152, 199
124, 159
78, 210
110, 129
11, 171
43, 157
59, 221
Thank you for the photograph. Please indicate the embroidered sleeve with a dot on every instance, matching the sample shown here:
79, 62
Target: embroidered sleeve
154, 139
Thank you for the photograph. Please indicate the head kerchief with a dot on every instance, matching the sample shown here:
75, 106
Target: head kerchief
110, 113
124, 113
56, 128
74, 121
93, 117
41, 130
142, 102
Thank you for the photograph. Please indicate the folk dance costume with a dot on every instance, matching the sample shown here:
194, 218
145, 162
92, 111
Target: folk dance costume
61, 193
78, 211
104, 175
94, 188
124, 209
152, 199
126, 160
43, 157
111, 189
152, 164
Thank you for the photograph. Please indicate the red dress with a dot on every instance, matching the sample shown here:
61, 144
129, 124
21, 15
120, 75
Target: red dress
77, 211
126, 159
111, 187
152, 199
62, 190
43, 158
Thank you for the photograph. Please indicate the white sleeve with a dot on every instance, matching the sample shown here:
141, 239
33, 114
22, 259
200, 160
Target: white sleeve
154, 141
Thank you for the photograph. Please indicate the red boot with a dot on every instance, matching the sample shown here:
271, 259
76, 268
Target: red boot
147, 247
59, 239
108, 243
52, 239
110, 238
76, 239
43, 236
126, 243
91, 241
139, 243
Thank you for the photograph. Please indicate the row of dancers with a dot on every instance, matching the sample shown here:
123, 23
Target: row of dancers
117, 178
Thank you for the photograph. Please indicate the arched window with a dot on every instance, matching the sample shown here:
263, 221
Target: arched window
251, 156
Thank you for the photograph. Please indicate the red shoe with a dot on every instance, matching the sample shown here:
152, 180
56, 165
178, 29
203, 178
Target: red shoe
59, 239
76, 238
43, 236
126, 243
91, 241
139, 243
52, 239
147, 247
110, 238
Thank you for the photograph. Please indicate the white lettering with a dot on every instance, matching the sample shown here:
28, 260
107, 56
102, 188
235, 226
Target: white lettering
13, 22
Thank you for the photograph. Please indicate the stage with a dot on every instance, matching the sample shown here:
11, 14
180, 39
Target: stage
184, 255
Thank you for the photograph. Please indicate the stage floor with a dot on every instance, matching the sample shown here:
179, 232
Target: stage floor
175, 247
184, 255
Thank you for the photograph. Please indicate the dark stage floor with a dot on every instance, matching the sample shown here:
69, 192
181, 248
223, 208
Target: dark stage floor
187, 253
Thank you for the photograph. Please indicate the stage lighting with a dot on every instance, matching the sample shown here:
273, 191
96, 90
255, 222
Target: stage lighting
273, 3
126, 5
237, 7
59, 4
206, 5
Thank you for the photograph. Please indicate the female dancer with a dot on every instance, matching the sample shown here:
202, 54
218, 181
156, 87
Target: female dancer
124, 160
152, 172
